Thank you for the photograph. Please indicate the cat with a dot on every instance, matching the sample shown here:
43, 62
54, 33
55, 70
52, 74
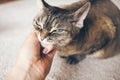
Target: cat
86, 27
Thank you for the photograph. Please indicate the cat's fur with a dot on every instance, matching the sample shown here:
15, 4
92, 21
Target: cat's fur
84, 27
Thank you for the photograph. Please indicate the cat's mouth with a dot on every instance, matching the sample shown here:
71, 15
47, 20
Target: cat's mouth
47, 46
45, 43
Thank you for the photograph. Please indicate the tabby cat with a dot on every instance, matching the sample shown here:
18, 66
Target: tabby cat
82, 28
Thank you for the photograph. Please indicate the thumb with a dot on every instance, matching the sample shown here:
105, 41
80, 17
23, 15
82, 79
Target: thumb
51, 54
31, 46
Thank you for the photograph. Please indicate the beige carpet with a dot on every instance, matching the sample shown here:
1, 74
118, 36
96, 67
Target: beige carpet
16, 22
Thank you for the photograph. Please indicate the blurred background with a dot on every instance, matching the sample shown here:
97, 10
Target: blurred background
15, 23
4, 1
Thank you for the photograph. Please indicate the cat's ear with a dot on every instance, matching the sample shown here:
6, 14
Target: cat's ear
42, 4
80, 15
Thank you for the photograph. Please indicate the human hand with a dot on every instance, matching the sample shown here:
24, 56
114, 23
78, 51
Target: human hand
32, 64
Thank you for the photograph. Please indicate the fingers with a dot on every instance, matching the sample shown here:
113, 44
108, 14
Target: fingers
32, 39
31, 44
31, 47
52, 53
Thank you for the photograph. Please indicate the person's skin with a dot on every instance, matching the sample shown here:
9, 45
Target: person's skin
32, 63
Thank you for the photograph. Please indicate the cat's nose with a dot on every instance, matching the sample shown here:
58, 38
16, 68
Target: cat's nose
42, 38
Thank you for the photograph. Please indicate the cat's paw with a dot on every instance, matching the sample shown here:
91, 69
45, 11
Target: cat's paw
74, 59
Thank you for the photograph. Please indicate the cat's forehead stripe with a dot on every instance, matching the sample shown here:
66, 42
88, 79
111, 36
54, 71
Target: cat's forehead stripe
55, 22
43, 19
49, 21
48, 18
53, 19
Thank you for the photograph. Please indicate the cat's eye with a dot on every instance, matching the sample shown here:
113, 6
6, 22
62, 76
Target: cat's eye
59, 30
37, 28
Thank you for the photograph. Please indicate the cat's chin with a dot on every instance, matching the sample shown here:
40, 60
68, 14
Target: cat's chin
46, 44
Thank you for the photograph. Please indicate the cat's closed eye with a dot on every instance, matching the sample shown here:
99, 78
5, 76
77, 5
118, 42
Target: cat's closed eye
59, 30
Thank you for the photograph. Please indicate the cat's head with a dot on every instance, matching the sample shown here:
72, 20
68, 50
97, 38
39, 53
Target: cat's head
59, 26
